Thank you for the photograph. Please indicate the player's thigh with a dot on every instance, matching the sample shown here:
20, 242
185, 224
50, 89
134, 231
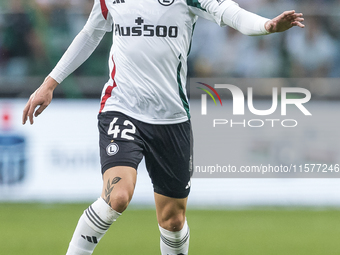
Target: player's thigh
170, 212
118, 186
168, 159
121, 149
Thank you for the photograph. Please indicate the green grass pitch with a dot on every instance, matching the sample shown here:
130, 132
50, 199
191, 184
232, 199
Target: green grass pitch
41, 229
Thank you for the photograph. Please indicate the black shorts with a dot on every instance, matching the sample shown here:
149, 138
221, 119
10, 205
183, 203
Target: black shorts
167, 150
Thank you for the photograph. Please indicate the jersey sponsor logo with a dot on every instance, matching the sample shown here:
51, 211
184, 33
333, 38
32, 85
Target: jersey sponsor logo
112, 149
166, 2
118, 1
147, 30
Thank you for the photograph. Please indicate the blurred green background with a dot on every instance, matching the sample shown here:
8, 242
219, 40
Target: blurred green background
35, 33
32, 229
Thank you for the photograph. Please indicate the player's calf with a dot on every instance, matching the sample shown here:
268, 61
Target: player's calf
173, 227
92, 226
118, 187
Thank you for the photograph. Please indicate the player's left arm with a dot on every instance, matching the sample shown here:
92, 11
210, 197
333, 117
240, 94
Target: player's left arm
249, 23
228, 12
284, 21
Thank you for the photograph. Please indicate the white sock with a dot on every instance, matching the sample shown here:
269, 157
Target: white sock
92, 226
175, 243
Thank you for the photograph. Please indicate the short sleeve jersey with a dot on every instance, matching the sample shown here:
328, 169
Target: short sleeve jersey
148, 57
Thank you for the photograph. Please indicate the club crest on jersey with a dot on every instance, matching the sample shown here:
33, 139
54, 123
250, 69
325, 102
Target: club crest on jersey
112, 149
166, 2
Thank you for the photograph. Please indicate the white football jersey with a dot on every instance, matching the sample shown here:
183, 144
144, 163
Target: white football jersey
148, 58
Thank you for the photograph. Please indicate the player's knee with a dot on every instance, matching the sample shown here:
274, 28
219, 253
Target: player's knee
174, 222
120, 201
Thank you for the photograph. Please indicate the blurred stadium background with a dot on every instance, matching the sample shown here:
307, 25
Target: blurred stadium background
49, 172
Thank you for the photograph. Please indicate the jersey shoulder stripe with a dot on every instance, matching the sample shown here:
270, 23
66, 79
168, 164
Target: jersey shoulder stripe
195, 3
108, 91
104, 8
180, 88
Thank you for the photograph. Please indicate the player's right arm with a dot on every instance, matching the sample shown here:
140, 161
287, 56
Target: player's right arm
42, 97
80, 49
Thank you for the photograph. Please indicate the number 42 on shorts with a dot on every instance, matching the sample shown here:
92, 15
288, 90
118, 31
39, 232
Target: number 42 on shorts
128, 128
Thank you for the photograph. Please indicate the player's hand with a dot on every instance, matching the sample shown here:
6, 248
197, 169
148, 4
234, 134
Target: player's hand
285, 21
42, 97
